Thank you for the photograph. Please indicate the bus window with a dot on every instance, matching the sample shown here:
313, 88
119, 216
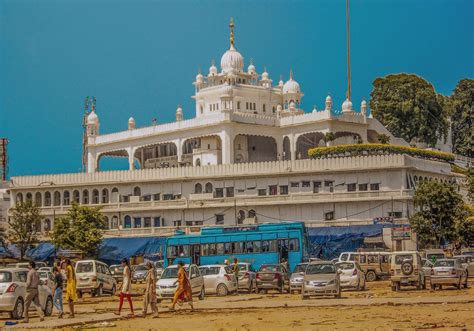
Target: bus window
238, 247
265, 246
212, 249
257, 245
273, 246
204, 249
373, 259
220, 249
172, 251
227, 248
293, 245
183, 250
248, 247
362, 259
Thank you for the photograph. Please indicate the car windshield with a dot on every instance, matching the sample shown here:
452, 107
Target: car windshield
444, 263
300, 268
270, 268
5, 277
159, 264
207, 271
313, 269
83, 267
345, 266
171, 273
437, 256
399, 259
140, 268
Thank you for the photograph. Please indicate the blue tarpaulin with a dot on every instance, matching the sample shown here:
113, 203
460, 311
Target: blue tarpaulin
329, 242
113, 250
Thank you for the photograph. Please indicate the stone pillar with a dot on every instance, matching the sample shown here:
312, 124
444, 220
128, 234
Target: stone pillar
293, 147
227, 147
179, 150
91, 162
279, 142
131, 164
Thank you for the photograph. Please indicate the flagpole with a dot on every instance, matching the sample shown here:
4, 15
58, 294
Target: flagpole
348, 45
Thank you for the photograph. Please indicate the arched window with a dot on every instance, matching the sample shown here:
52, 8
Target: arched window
29, 197
85, 197
114, 224
47, 225
105, 196
252, 213
19, 197
47, 199
127, 222
76, 196
95, 196
38, 199
66, 198
208, 188
115, 195
106, 222
57, 198
240, 217
38, 226
198, 188
198, 162
137, 191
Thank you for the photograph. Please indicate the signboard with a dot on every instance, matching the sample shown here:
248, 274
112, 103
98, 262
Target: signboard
383, 220
401, 233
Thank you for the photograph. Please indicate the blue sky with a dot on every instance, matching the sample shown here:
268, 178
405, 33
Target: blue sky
140, 57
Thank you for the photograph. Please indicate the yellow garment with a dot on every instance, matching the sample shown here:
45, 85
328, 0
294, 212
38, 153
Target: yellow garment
184, 291
71, 294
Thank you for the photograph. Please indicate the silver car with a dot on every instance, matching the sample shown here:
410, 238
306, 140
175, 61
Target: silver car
296, 278
13, 293
247, 277
351, 275
139, 273
448, 272
467, 261
218, 279
321, 278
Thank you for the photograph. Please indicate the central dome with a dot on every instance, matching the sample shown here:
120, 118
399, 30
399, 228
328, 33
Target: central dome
291, 86
232, 60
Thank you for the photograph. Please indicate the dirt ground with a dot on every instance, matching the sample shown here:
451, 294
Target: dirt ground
274, 311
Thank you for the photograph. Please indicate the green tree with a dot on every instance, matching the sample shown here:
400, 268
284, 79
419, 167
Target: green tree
460, 107
25, 225
329, 136
383, 138
441, 213
470, 184
81, 229
408, 106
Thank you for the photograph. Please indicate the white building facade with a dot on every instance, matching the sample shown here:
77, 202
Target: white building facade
243, 158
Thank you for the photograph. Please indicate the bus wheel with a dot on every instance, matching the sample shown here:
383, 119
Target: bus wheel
371, 276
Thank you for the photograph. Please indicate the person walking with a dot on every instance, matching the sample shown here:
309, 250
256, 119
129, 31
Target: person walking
71, 292
126, 287
58, 291
183, 292
149, 297
235, 269
32, 294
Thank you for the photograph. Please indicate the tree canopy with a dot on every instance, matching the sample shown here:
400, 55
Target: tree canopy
441, 216
409, 107
81, 229
25, 226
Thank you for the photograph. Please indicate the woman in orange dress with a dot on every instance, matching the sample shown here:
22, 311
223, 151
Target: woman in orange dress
183, 292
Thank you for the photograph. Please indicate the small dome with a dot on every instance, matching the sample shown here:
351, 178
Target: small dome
314, 109
328, 98
232, 60
92, 118
251, 69
281, 82
347, 106
199, 78
265, 75
131, 119
131, 123
179, 110
291, 86
212, 69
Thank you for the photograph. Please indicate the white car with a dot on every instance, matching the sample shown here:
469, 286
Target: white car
351, 276
13, 293
47, 278
247, 277
219, 279
94, 277
165, 286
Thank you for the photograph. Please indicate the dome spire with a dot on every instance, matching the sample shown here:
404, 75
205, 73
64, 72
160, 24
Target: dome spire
231, 38
291, 74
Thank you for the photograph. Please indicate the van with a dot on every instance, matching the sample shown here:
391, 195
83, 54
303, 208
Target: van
375, 265
406, 269
94, 277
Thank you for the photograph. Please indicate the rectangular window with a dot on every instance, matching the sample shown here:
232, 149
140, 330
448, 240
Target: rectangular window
329, 216
212, 249
316, 187
237, 248
283, 189
219, 193
156, 196
273, 190
247, 105
249, 247
219, 219
262, 192
295, 184
305, 183
273, 245
146, 197
293, 245
204, 249
229, 192
375, 187
395, 214
227, 248
147, 222
238, 105
351, 187
167, 196
198, 223
220, 249
363, 187
189, 223
157, 222
254, 106
257, 246
177, 223
265, 246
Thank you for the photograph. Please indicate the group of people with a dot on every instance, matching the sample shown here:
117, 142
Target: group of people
183, 292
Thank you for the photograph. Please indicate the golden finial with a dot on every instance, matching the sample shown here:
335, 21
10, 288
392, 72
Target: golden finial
231, 26
291, 74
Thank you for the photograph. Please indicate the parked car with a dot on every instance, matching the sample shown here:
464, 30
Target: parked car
467, 261
94, 277
139, 273
219, 279
13, 293
321, 278
47, 278
117, 272
467, 251
406, 269
48, 269
296, 278
272, 277
427, 265
434, 254
375, 265
351, 276
165, 286
247, 277
19, 265
159, 267
448, 272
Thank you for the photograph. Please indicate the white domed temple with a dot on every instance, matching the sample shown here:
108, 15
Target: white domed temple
242, 159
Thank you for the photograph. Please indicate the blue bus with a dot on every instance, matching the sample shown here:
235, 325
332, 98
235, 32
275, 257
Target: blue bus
255, 244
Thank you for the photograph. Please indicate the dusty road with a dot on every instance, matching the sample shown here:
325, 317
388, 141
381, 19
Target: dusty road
377, 308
